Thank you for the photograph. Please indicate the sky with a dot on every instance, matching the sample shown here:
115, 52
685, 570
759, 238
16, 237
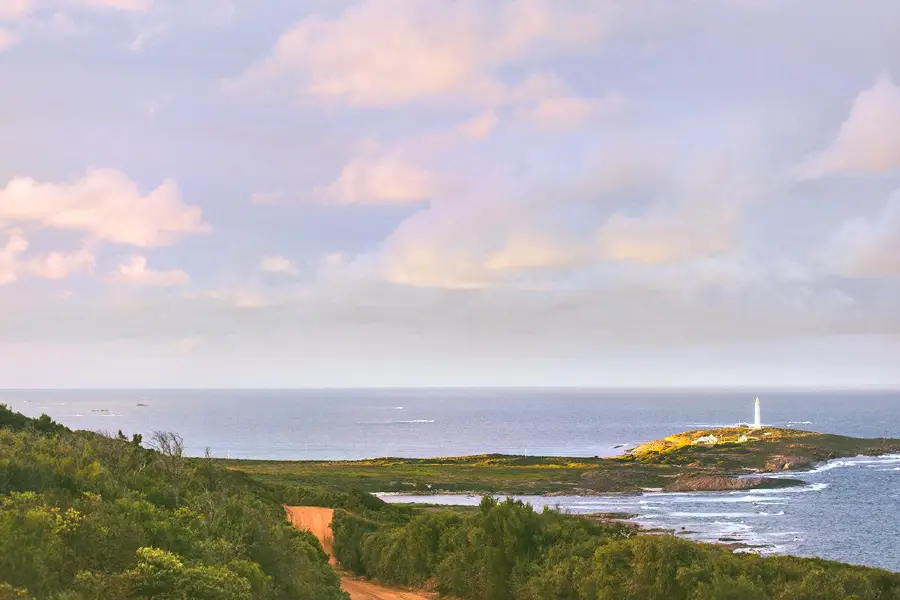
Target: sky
229, 193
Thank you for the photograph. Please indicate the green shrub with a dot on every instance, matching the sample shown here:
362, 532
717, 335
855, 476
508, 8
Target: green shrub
89, 517
506, 550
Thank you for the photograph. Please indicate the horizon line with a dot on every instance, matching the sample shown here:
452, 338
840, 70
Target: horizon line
765, 387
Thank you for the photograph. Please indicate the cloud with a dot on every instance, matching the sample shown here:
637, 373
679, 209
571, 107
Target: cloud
525, 250
14, 9
333, 259
392, 52
467, 243
239, 297
869, 247
277, 264
480, 126
104, 203
381, 179
135, 272
60, 265
868, 141
137, 45
53, 265
629, 207
696, 212
663, 235
566, 113
7, 39
444, 246
15, 245
122, 5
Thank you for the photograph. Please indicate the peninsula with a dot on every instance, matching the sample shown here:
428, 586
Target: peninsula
711, 459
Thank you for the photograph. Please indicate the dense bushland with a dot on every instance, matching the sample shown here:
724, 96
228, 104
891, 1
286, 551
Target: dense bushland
508, 551
90, 517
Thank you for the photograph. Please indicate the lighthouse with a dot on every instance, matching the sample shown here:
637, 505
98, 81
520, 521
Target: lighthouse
757, 423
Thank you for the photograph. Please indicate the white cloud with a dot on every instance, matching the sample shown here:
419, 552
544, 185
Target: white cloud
868, 141
564, 113
869, 247
14, 9
123, 5
15, 245
53, 265
104, 203
480, 126
135, 272
381, 179
60, 265
277, 264
390, 52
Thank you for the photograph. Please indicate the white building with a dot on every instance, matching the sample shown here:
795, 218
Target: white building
707, 439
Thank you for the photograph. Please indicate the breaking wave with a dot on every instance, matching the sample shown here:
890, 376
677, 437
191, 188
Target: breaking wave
403, 422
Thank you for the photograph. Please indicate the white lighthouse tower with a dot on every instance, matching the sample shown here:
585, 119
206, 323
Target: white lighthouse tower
757, 423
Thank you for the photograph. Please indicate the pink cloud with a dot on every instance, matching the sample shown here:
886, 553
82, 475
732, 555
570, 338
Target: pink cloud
136, 272
868, 141
106, 204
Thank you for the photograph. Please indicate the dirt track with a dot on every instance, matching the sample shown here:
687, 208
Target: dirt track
318, 521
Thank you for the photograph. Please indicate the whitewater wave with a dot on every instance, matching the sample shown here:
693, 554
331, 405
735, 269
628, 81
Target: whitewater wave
857, 461
727, 499
768, 493
403, 422
721, 515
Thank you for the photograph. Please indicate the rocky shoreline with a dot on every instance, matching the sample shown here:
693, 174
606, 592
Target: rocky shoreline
712, 483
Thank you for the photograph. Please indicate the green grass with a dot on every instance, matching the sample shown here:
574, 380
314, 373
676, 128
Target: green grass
653, 465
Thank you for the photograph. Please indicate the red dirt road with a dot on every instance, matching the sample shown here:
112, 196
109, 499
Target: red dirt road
318, 521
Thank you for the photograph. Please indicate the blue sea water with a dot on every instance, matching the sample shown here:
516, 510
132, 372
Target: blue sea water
847, 511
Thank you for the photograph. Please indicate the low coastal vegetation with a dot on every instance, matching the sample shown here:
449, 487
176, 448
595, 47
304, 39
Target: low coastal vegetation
85, 516
506, 550
693, 460
102, 517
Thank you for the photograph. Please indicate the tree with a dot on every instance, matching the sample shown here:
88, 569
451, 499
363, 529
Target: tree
172, 461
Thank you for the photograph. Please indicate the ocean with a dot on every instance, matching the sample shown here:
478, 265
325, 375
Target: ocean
847, 510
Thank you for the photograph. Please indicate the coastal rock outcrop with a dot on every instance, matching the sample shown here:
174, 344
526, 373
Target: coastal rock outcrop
711, 483
781, 462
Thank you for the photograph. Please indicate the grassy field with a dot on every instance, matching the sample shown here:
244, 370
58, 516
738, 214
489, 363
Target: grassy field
670, 463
